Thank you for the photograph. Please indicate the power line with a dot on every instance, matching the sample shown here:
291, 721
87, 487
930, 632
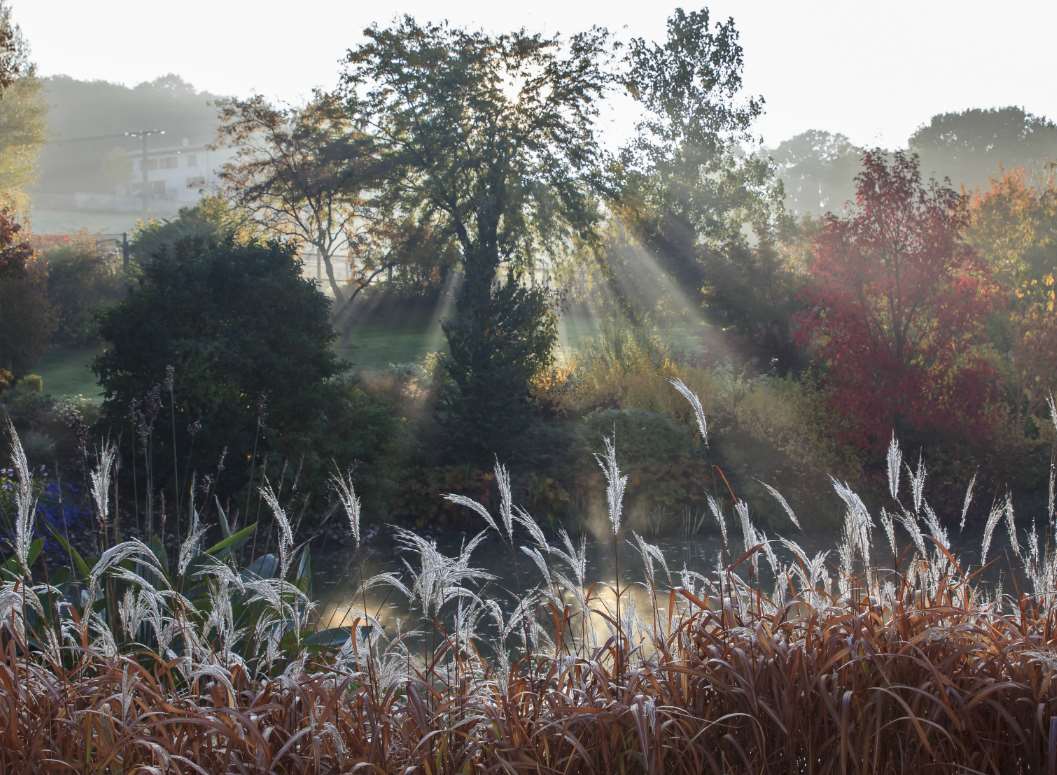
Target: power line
144, 134
88, 139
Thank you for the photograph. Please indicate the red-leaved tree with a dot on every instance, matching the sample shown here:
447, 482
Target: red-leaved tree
14, 251
898, 309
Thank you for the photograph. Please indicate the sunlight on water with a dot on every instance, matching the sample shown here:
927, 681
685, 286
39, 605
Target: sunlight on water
338, 578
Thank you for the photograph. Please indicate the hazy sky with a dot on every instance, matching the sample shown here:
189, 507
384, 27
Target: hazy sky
873, 70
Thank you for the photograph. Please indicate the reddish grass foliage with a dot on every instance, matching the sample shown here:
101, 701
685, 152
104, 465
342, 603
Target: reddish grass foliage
941, 684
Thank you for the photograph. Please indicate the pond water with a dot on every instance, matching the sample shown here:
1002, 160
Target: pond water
338, 571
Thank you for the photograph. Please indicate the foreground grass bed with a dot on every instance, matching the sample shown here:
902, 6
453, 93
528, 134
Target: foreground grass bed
210, 660
924, 688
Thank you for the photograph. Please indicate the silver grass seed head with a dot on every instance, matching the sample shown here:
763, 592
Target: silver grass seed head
350, 502
695, 404
616, 483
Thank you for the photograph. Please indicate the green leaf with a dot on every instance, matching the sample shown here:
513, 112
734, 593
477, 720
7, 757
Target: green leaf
226, 545
332, 637
79, 565
304, 572
264, 566
13, 567
225, 527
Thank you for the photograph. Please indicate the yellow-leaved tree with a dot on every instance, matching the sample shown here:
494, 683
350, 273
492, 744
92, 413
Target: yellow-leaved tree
1013, 226
22, 114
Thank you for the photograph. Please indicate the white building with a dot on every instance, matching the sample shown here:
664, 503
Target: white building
177, 176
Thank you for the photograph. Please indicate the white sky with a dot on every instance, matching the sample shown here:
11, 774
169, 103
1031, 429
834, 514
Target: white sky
873, 70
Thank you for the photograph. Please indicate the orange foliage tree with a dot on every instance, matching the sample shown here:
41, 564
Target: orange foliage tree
1013, 226
898, 306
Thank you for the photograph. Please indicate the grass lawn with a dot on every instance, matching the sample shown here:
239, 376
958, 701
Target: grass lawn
370, 347
67, 372
374, 346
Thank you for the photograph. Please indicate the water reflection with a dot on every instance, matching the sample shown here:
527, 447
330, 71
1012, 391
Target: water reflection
339, 574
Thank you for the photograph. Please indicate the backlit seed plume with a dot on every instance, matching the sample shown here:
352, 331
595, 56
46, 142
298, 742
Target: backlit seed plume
895, 461
969, 500
470, 503
890, 530
1011, 525
616, 483
717, 512
195, 533
917, 482
25, 506
695, 403
781, 502
350, 501
100, 481
286, 533
506, 503
989, 530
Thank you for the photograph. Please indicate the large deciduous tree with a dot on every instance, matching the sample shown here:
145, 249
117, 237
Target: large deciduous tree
488, 140
704, 209
302, 172
899, 305
817, 170
1013, 226
22, 112
972, 146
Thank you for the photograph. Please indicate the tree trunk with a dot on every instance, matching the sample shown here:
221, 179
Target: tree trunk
332, 278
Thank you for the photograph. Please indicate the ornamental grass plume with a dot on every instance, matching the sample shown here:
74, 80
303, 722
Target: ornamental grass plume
824, 662
25, 503
616, 483
343, 486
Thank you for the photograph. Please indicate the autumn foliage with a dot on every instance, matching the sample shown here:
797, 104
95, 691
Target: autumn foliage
14, 251
898, 306
1013, 226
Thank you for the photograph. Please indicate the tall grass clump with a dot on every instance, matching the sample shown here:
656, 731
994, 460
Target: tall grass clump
888, 653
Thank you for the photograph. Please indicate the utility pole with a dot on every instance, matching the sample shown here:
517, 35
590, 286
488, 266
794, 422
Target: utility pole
143, 134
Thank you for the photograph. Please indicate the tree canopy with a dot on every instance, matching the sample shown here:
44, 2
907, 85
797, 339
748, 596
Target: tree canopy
972, 146
817, 170
303, 173
22, 112
489, 142
899, 307
246, 336
490, 137
1013, 226
705, 210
